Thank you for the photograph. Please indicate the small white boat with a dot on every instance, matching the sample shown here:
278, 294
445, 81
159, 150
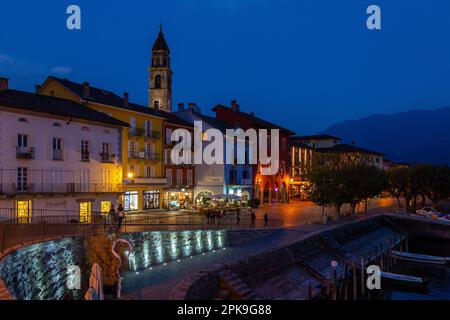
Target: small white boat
403, 280
421, 258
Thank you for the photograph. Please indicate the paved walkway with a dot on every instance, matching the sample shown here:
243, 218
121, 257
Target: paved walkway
158, 282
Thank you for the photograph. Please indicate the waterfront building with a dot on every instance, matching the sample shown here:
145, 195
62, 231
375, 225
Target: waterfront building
321, 150
179, 191
233, 180
141, 145
57, 157
266, 188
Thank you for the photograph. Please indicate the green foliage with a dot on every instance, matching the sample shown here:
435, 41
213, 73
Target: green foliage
350, 183
428, 181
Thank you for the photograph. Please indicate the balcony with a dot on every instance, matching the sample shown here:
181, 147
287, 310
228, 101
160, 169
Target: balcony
146, 180
144, 155
57, 188
57, 155
152, 135
246, 182
107, 157
25, 152
148, 134
85, 156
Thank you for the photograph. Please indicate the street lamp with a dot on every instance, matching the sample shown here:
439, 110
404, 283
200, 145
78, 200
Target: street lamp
130, 175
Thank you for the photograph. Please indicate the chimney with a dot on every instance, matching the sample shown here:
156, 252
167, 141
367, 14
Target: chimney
4, 84
234, 105
86, 91
252, 114
126, 100
37, 88
194, 107
181, 106
353, 142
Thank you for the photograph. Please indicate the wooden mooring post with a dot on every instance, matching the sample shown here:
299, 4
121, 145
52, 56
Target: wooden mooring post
363, 285
334, 288
345, 281
355, 293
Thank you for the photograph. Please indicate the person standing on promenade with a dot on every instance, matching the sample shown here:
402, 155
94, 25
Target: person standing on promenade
253, 217
121, 216
266, 219
238, 217
112, 215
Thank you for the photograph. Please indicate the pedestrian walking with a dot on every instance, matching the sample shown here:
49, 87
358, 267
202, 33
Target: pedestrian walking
253, 218
213, 216
112, 215
120, 215
238, 217
208, 216
266, 219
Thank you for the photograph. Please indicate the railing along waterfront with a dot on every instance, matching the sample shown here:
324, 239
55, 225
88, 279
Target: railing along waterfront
41, 225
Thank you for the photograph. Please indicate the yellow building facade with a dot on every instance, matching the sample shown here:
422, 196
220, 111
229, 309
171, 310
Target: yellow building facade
142, 142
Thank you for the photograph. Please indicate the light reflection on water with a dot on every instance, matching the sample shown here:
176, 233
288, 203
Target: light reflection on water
158, 247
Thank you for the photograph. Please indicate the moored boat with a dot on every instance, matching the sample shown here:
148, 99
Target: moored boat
420, 258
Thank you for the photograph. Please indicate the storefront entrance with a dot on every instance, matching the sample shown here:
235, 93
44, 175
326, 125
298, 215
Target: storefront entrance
177, 199
131, 199
150, 199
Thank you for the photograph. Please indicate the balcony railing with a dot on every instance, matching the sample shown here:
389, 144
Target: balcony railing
85, 156
107, 157
144, 155
152, 134
140, 132
246, 182
25, 152
57, 187
57, 155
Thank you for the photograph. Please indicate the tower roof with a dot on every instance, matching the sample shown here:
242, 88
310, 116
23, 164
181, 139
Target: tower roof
160, 43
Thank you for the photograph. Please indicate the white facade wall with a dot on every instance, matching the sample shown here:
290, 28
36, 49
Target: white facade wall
58, 184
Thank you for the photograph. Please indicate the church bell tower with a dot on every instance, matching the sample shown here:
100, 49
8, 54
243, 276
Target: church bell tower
160, 83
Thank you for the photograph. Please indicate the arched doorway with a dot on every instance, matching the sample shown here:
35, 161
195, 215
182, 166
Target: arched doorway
202, 196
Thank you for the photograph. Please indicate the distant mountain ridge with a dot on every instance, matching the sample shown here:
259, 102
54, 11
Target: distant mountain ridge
421, 136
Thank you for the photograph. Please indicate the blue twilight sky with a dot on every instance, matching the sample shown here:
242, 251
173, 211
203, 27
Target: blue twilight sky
305, 64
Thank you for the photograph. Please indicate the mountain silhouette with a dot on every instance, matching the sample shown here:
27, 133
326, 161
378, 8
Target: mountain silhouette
421, 136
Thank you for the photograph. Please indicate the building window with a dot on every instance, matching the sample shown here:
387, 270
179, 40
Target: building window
148, 128
22, 140
189, 181
24, 211
22, 179
283, 144
245, 174
179, 177
105, 208
84, 150
158, 82
23, 120
156, 104
85, 212
168, 136
233, 177
106, 154
57, 149
56, 124
131, 200
150, 199
169, 176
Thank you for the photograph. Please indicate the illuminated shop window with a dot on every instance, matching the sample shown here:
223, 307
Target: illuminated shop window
85, 212
105, 207
24, 211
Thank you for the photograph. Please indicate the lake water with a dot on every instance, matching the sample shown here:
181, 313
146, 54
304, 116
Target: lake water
438, 276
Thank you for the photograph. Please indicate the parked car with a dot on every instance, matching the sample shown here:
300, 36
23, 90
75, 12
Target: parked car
428, 212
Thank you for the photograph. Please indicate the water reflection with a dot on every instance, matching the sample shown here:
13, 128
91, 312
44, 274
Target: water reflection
153, 248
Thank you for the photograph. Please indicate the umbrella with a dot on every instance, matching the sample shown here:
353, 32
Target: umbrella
95, 291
